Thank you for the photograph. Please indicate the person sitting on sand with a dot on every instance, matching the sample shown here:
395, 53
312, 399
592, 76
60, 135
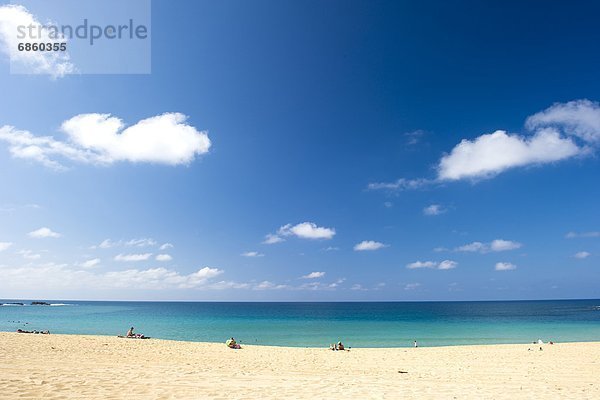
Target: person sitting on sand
232, 344
340, 346
132, 335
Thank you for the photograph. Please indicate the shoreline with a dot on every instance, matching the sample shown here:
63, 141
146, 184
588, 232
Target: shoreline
596, 341
59, 366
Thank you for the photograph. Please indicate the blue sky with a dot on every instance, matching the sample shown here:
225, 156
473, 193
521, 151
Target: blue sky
325, 125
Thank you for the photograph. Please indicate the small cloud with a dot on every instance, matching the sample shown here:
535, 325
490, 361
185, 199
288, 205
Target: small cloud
331, 248
106, 244
266, 285
433, 209
422, 264
504, 245
90, 263
336, 283
412, 286
447, 264
307, 230
443, 265
133, 257
582, 254
163, 257
141, 242
388, 204
144, 242
400, 184
505, 266
165, 246
44, 233
252, 254
314, 275
440, 249
358, 286
369, 245
272, 239
473, 247
304, 230
5, 245
414, 137
572, 235
30, 255
495, 246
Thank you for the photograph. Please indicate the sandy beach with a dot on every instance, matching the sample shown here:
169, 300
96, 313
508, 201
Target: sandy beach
101, 367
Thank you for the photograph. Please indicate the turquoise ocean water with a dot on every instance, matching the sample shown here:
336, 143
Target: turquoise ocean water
368, 324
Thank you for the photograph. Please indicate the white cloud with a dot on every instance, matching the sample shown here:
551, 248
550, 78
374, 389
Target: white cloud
304, 230
447, 264
252, 254
337, 283
44, 233
331, 248
90, 263
141, 242
504, 245
314, 275
307, 230
580, 118
582, 254
102, 139
163, 257
473, 247
5, 245
272, 239
414, 137
422, 264
505, 266
572, 235
562, 131
30, 255
144, 242
106, 244
369, 245
224, 285
491, 154
266, 285
53, 63
133, 257
443, 265
358, 286
400, 184
61, 277
434, 209
495, 246
166, 246
412, 286
161, 278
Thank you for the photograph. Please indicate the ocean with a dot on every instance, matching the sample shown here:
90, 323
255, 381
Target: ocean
357, 324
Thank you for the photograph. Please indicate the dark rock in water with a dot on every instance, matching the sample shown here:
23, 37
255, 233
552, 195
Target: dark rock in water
16, 304
39, 303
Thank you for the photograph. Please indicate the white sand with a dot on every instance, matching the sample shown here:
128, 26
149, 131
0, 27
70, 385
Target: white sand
98, 367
